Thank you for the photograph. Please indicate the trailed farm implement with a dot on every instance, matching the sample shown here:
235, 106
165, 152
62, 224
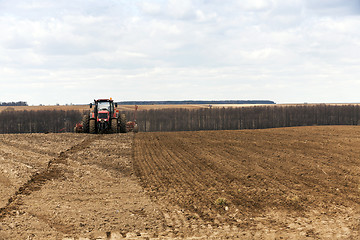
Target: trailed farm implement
105, 118
132, 126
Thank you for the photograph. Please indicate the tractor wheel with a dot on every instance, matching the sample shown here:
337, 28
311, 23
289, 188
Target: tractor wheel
92, 126
85, 123
114, 125
122, 123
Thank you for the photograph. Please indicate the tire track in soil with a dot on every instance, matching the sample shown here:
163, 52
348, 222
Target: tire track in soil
37, 180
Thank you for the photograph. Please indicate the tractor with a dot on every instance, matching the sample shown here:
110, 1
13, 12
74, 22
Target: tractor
104, 118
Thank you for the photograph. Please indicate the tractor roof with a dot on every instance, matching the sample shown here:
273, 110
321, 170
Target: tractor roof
104, 100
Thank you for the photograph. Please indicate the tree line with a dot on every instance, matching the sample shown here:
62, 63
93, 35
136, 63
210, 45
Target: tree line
210, 102
41, 121
256, 117
20, 103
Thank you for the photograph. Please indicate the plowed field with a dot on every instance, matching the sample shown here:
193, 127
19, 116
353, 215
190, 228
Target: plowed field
290, 183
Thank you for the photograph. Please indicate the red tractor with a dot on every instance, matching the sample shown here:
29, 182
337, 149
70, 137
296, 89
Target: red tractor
104, 118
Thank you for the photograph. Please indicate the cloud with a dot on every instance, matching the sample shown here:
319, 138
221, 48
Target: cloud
255, 5
202, 49
333, 7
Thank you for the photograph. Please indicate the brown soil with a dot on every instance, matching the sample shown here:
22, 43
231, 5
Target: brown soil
120, 107
73, 186
150, 107
82, 108
289, 183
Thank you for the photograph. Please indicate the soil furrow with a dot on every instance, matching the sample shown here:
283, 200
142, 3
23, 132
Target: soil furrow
229, 176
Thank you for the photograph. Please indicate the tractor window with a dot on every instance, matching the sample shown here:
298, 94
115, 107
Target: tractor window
104, 106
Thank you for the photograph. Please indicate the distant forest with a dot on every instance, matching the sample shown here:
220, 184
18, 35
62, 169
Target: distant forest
232, 118
255, 117
41, 121
195, 102
20, 103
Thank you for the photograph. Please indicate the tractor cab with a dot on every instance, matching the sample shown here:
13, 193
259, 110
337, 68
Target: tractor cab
103, 107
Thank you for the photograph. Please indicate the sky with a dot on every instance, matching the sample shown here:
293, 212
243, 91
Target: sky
287, 51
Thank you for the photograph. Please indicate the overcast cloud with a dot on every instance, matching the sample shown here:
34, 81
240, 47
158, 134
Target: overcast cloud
288, 51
